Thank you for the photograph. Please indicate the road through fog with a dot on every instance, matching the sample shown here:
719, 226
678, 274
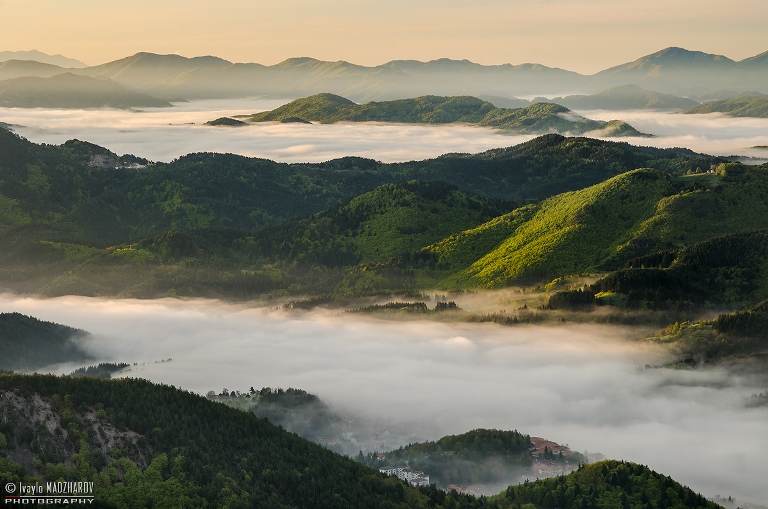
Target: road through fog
577, 385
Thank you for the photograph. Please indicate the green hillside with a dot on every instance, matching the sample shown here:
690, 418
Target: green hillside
27, 343
196, 226
742, 106
602, 226
604, 484
536, 118
390, 220
729, 338
565, 234
54, 188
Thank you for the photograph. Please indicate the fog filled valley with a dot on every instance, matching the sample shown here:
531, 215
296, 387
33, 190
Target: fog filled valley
552, 306
167, 133
582, 385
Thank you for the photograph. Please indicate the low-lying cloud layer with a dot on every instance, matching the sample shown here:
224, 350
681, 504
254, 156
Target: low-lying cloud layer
164, 134
579, 385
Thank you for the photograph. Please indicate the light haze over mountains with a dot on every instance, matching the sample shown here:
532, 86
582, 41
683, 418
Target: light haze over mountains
171, 77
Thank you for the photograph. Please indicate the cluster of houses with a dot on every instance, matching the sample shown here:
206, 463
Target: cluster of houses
412, 477
107, 161
547, 460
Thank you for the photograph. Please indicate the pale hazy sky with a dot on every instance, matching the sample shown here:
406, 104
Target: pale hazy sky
580, 35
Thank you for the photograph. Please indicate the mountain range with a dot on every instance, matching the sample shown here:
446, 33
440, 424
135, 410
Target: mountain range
45, 58
671, 71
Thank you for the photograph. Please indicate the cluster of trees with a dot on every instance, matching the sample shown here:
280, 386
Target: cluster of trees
572, 299
415, 307
749, 322
722, 270
101, 370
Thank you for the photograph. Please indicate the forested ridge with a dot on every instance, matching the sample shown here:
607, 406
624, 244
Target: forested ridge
27, 343
196, 226
538, 118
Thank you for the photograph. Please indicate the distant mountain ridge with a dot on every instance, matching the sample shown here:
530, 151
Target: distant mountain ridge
626, 97
45, 58
672, 71
72, 91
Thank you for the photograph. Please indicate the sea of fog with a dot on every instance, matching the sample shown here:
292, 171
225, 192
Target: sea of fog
580, 385
162, 134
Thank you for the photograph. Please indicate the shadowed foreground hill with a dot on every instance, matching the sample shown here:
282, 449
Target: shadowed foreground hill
27, 343
146, 445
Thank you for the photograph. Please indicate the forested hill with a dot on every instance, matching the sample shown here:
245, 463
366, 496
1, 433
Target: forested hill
480, 456
605, 484
391, 220
537, 118
27, 343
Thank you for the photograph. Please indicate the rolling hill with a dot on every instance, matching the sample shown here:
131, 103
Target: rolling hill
72, 91
604, 484
391, 220
536, 118
742, 106
626, 97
